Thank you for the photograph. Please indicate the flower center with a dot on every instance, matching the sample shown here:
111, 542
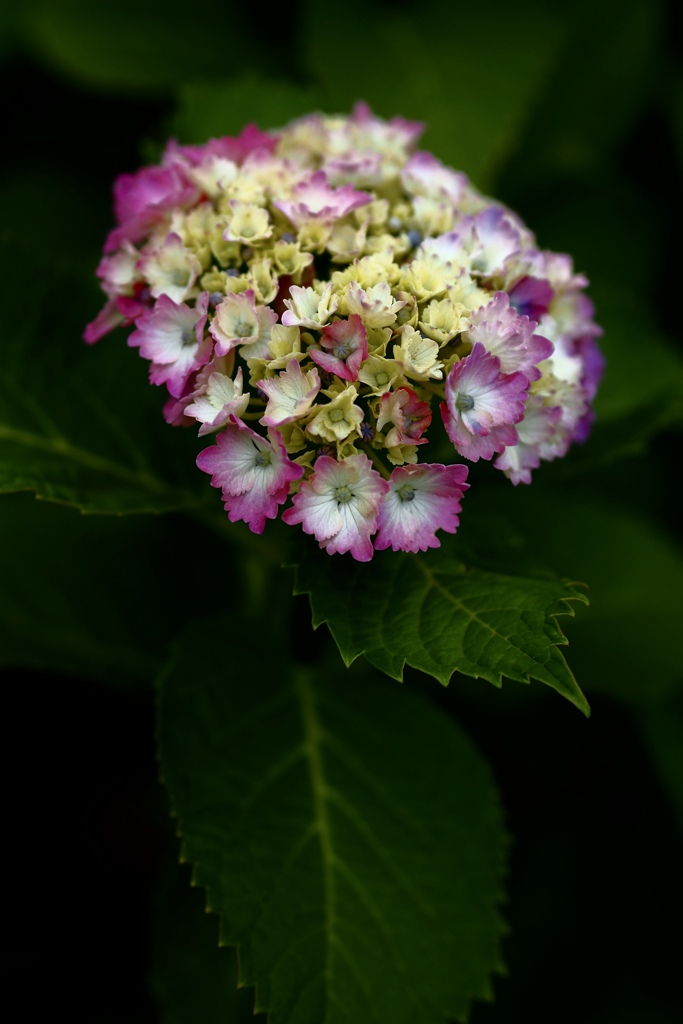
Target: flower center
242, 330
336, 415
262, 459
188, 336
382, 378
406, 493
342, 494
464, 403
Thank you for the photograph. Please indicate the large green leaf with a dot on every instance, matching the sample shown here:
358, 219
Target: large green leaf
79, 425
192, 980
434, 612
347, 832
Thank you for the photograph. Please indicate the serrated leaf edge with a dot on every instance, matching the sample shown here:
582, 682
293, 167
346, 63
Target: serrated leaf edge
578, 698
484, 994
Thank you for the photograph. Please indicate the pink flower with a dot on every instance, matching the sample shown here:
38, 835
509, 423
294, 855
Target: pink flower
338, 504
509, 336
141, 200
217, 400
195, 385
105, 321
237, 149
347, 342
363, 169
132, 306
421, 500
424, 175
482, 405
531, 297
535, 432
410, 416
172, 336
254, 474
394, 134
119, 272
315, 199
489, 238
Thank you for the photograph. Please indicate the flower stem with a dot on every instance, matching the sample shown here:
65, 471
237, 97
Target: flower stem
372, 454
435, 389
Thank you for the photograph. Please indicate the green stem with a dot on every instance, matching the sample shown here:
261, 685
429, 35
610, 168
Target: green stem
372, 454
440, 392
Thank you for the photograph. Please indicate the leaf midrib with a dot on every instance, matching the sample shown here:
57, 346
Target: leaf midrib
65, 449
312, 753
432, 580
324, 796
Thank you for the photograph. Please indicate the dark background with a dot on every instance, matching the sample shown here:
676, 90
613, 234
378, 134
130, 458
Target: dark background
588, 151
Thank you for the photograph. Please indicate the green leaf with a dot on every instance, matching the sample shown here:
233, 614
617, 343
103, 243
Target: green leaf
80, 425
347, 832
434, 612
471, 74
192, 980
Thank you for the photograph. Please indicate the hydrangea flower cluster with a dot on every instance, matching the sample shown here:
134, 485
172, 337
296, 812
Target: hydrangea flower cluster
308, 295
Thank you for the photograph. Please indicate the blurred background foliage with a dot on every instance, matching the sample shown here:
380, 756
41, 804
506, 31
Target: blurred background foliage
572, 115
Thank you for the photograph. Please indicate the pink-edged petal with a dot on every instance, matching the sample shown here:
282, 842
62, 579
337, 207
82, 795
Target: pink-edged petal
421, 500
398, 133
253, 473
219, 398
482, 405
486, 240
410, 417
424, 175
330, 364
346, 342
531, 297
534, 432
510, 336
171, 335
315, 199
338, 504
142, 200
105, 321
236, 148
